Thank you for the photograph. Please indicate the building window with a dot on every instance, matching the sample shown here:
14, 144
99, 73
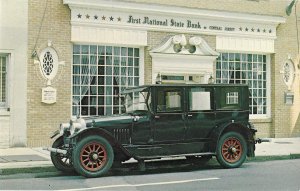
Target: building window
251, 69
3, 80
100, 73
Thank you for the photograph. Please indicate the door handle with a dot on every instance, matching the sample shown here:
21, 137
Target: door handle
156, 116
190, 115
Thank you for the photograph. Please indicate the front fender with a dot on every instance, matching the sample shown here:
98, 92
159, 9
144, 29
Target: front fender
101, 132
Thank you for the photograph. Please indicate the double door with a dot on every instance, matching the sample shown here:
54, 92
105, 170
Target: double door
183, 114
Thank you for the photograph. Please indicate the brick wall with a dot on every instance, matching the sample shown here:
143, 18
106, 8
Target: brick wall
43, 118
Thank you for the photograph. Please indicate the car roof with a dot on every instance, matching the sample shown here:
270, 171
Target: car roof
143, 87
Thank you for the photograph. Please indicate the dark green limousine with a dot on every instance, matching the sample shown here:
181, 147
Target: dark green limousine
195, 121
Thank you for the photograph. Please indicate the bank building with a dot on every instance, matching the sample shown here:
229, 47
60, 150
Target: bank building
62, 58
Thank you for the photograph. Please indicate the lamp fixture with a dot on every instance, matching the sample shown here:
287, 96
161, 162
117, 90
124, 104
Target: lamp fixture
289, 8
158, 79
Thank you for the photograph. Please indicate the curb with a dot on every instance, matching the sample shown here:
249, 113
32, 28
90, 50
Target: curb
51, 169
273, 157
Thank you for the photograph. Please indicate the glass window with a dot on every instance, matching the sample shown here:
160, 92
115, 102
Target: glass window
169, 100
199, 99
3, 80
232, 98
99, 74
248, 69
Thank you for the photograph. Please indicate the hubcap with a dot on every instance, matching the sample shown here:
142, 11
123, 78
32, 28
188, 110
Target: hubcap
232, 150
93, 156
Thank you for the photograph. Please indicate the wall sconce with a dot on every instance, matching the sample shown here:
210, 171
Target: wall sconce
211, 80
158, 79
289, 98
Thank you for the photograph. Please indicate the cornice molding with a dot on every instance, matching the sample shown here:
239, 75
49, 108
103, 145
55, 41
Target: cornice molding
175, 10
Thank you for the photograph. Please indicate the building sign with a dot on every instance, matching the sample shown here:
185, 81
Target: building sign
49, 95
171, 23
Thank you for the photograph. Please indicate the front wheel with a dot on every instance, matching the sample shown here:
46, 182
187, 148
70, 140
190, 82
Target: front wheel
93, 156
60, 161
231, 150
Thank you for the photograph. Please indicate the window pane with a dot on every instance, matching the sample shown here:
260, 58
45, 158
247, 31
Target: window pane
99, 74
76, 49
76, 59
199, 99
93, 50
169, 100
84, 49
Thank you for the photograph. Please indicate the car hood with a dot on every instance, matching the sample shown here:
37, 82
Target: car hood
112, 120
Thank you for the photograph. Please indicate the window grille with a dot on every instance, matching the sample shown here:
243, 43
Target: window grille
251, 69
100, 73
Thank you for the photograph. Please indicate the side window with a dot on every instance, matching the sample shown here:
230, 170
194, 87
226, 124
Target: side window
199, 99
169, 100
229, 98
232, 98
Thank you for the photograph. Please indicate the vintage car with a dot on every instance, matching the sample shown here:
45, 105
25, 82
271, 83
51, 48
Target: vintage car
195, 121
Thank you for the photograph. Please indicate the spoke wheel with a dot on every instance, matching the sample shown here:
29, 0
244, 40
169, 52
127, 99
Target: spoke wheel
93, 156
60, 161
231, 150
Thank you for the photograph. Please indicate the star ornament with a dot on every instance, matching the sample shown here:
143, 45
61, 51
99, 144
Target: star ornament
79, 16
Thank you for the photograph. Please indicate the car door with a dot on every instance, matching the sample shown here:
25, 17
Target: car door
169, 119
200, 113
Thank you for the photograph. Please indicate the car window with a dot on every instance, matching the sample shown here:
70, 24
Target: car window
200, 99
169, 100
229, 98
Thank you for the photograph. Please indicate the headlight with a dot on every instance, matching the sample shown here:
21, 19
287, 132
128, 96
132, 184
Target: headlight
78, 125
63, 127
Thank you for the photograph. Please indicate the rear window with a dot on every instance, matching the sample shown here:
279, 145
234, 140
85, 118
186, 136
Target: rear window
229, 98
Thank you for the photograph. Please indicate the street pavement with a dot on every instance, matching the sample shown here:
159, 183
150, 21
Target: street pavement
269, 175
19, 158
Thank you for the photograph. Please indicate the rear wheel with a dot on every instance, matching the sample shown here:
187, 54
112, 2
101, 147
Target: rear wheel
231, 150
60, 161
93, 156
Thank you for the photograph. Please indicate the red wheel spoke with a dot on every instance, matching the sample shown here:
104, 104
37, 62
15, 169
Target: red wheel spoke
91, 162
98, 147
87, 159
226, 144
231, 150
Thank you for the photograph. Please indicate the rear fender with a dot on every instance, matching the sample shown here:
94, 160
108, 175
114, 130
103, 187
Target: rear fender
246, 132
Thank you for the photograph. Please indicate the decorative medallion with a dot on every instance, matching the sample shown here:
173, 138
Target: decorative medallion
288, 73
48, 65
48, 61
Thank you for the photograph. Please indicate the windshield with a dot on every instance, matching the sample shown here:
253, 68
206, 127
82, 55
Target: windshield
135, 100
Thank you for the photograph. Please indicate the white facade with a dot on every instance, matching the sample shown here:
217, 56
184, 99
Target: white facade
13, 44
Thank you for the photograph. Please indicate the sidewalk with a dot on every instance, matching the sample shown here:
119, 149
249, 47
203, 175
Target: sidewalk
17, 158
